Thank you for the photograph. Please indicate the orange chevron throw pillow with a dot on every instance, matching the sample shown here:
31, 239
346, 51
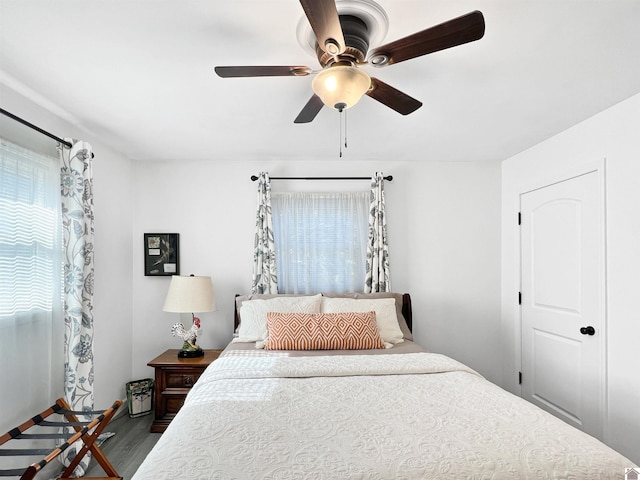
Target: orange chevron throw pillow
322, 331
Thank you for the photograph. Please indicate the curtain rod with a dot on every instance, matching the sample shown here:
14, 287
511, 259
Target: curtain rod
38, 129
34, 127
254, 178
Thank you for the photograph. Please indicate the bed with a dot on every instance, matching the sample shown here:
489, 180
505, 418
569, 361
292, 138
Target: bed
392, 412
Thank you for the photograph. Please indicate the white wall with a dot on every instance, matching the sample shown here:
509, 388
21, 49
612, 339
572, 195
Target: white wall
113, 188
444, 226
611, 135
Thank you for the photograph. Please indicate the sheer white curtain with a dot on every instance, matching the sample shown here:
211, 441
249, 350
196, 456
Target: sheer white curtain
321, 241
30, 281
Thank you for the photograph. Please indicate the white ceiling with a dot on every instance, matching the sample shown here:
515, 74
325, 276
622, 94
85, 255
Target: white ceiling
138, 74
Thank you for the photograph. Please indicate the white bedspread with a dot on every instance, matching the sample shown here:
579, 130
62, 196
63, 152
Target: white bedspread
412, 416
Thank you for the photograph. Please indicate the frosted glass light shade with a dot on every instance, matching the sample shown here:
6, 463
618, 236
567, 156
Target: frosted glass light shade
341, 86
189, 295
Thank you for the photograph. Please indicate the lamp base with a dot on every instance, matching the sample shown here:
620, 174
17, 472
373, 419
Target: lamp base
190, 353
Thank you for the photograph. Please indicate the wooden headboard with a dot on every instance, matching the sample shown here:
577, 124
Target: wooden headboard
406, 311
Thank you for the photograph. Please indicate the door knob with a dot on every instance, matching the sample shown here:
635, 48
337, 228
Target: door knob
588, 330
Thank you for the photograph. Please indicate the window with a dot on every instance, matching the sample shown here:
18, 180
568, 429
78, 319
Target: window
321, 241
31, 327
30, 252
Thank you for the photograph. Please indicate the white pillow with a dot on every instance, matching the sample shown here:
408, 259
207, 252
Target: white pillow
385, 309
253, 314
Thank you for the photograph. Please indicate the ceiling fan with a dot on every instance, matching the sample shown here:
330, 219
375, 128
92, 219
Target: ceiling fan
342, 44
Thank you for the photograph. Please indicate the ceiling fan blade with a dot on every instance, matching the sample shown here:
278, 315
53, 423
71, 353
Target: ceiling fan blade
263, 71
457, 31
325, 23
310, 110
392, 97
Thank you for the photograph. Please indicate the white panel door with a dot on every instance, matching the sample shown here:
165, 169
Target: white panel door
562, 304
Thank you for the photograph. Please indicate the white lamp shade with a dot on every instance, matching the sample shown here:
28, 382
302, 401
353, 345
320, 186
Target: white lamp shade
189, 295
341, 86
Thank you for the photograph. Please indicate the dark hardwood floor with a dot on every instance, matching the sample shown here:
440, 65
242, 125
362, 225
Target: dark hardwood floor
128, 447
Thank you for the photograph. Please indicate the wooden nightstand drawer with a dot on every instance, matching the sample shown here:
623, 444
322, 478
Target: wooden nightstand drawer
174, 404
174, 378
186, 379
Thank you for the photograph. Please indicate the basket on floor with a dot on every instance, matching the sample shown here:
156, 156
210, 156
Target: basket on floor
140, 397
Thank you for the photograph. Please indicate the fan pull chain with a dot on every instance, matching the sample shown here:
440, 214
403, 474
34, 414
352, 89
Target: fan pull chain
340, 135
343, 111
345, 129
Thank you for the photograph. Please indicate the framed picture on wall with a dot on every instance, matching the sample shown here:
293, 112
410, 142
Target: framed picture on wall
161, 254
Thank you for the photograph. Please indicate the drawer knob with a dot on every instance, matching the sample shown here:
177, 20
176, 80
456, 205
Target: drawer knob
188, 381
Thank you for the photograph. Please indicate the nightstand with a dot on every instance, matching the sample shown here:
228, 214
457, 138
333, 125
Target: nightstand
174, 378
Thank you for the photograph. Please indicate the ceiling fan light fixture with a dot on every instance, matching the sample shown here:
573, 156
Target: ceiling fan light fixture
341, 86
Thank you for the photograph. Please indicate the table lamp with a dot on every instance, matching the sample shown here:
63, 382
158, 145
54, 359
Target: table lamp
189, 295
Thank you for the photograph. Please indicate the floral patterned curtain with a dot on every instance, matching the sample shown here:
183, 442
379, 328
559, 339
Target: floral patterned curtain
377, 274
76, 183
265, 279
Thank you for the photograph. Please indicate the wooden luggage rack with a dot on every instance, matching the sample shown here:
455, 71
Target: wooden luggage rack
87, 432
